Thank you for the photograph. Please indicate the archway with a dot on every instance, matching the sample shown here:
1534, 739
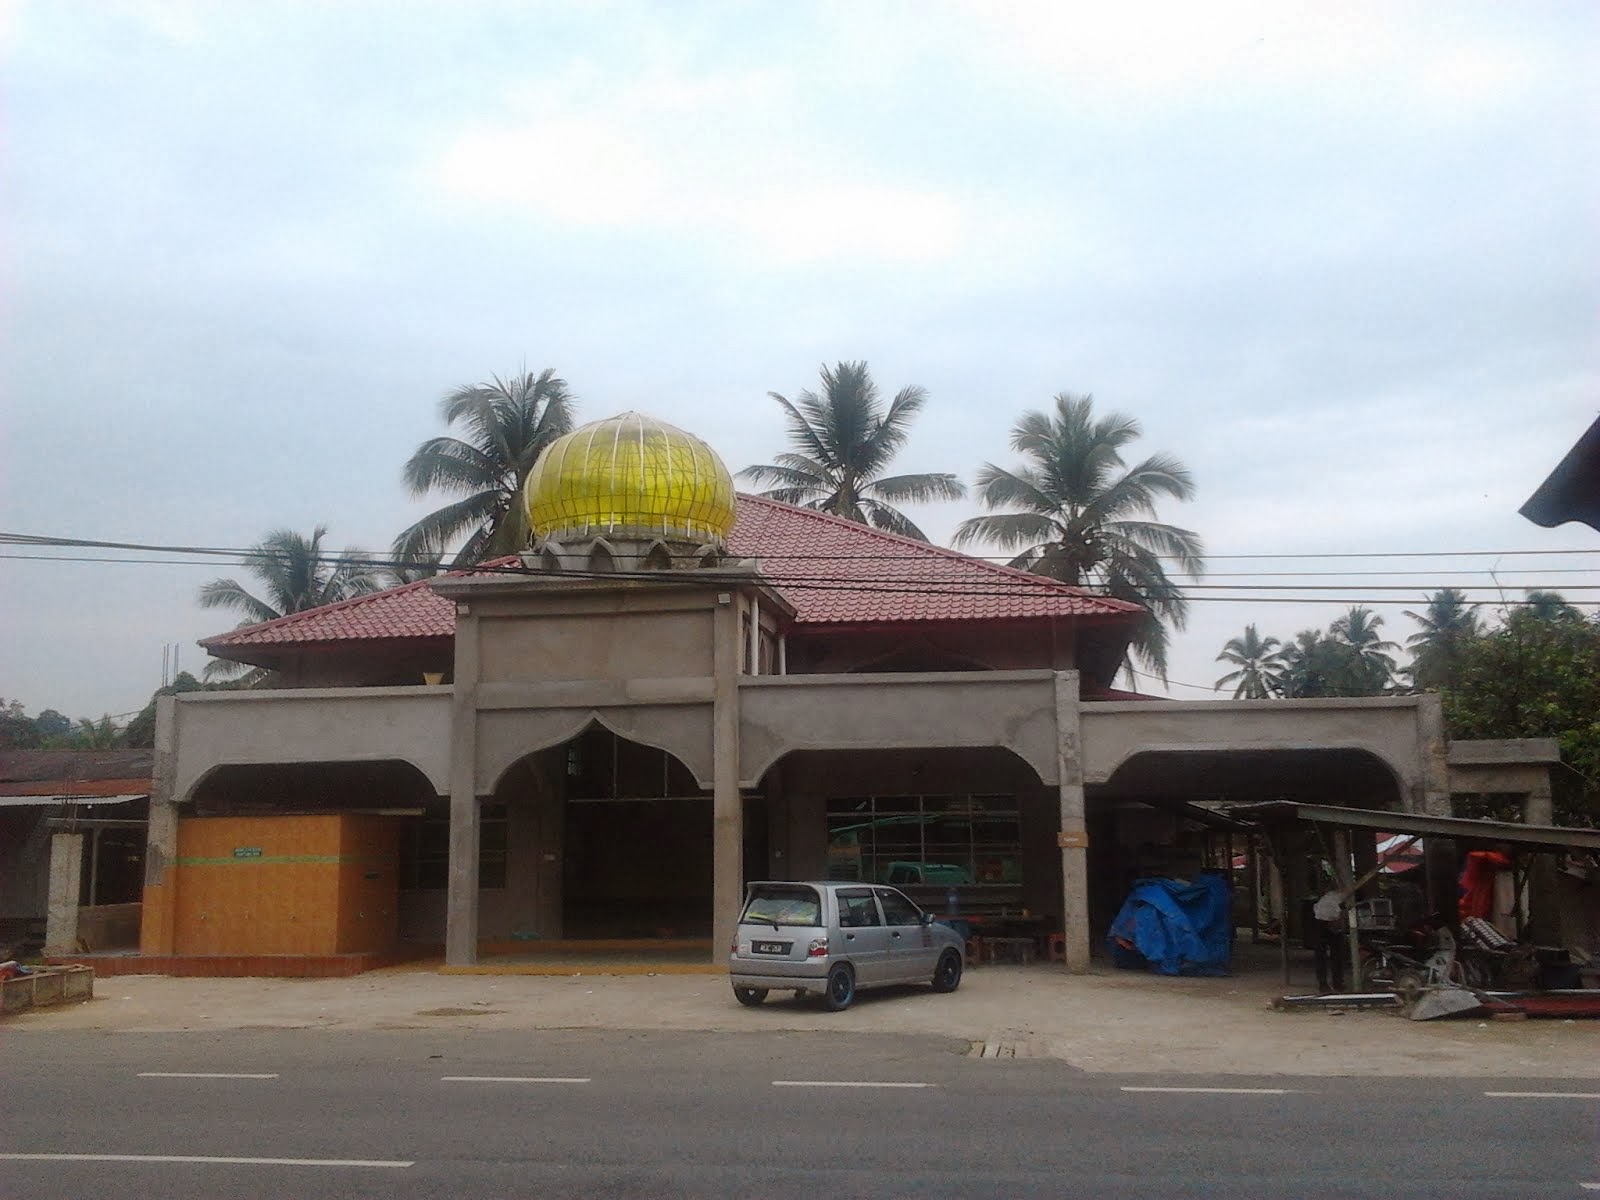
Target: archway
603, 838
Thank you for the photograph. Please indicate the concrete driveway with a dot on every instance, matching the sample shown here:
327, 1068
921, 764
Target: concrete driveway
1106, 1021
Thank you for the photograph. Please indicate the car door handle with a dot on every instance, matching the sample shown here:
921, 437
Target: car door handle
896, 933
849, 937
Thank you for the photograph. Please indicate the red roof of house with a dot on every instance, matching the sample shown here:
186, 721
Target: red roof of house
834, 572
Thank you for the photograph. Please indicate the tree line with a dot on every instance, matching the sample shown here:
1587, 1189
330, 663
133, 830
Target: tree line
1529, 670
1072, 508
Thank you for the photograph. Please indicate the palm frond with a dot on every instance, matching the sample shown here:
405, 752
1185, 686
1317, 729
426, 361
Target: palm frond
229, 593
1006, 530
916, 488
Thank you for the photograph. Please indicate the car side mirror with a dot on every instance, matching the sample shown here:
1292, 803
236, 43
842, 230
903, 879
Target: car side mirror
927, 918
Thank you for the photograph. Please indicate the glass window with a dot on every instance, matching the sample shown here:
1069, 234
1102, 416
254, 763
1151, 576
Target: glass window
933, 841
897, 910
774, 905
856, 910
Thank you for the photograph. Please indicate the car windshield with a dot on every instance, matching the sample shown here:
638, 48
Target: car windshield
783, 906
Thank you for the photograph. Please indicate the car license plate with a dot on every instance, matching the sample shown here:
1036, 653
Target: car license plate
770, 947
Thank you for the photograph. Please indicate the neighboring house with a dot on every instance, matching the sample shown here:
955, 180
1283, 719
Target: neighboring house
78, 815
679, 690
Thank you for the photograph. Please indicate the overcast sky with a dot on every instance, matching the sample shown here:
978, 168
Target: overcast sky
1342, 260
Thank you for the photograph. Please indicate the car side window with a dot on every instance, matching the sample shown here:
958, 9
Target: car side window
897, 910
856, 909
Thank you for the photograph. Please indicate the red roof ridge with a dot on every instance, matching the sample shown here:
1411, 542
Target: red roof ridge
322, 610
1042, 581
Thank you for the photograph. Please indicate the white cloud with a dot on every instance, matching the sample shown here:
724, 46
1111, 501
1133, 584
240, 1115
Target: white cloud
572, 169
849, 222
699, 158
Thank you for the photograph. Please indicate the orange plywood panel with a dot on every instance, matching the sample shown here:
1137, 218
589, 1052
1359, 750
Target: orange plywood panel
369, 886
258, 885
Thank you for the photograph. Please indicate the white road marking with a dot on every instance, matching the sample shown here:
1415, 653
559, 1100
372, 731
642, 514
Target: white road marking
201, 1075
208, 1158
1544, 1096
846, 1083
510, 1079
1224, 1091
1590, 1187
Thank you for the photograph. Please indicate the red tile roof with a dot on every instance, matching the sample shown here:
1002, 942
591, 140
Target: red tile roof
833, 571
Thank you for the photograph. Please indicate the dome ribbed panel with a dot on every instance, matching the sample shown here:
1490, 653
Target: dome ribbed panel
630, 475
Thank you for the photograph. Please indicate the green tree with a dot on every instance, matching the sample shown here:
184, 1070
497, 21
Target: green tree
1550, 606
297, 574
1258, 664
18, 731
104, 734
1536, 677
1079, 514
52, 724
508, 423
1372, 666
1448, 623
141, 731
843, 441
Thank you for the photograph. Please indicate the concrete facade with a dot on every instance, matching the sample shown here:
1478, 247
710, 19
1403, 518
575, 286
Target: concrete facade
754, 749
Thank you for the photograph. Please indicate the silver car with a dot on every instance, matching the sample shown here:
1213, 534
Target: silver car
830, 939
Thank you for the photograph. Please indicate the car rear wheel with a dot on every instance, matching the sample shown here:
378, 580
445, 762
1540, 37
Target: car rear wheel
841, 988
947, 975
750, 996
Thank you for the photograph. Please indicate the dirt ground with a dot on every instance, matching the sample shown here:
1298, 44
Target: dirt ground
1107, 1021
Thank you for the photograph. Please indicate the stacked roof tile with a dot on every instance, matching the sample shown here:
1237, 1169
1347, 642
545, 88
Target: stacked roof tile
834, 572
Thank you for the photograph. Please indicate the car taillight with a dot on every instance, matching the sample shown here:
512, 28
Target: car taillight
818, 948
734, 948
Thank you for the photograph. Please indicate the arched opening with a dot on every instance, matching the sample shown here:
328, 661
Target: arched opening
306, 859
658, 558
1163, 813
603, 838
601, 561
976, 822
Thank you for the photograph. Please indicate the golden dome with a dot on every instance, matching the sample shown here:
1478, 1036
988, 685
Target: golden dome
630, 475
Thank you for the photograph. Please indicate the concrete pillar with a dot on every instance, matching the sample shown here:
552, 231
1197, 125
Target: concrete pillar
727, 846
461, 895
1543, 916
66, 882
1440, 863
158, 913
1074, 836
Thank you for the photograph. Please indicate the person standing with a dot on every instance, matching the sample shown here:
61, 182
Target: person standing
1327, 937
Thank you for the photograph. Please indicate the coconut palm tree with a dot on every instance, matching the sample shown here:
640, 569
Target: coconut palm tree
508, 423
297, 575
1260, 666
1550, 606
1448, 623
1079, 514
1374, 665
843, 441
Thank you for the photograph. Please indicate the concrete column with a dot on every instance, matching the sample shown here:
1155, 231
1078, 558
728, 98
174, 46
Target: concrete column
727, 847
1543, 915
1440, 863
66, 882
461, 896
158, 912
1074, 836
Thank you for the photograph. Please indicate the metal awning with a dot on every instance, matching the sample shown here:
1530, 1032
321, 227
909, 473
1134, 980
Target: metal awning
53, 801
1278, 813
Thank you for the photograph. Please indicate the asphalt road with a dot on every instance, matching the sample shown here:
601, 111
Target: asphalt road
615, 1114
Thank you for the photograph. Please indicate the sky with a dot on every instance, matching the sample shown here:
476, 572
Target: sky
1342, 260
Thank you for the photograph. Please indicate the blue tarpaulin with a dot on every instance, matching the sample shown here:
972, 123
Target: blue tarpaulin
1175, 927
